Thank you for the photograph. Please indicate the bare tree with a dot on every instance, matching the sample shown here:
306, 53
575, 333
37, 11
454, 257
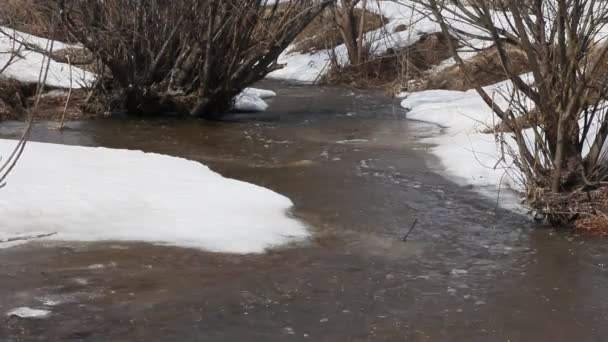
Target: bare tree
352, 28
563, 108
185, 56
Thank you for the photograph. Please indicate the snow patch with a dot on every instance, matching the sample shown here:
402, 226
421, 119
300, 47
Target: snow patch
252, 100
92, 194
469, 156
28, 62
262, 93
25, 312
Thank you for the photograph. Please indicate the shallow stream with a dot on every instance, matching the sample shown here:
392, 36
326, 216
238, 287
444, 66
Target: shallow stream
358, 174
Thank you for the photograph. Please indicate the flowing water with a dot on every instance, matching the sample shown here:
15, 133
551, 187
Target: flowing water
358, 174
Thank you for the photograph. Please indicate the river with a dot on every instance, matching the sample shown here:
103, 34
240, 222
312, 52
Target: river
358, 174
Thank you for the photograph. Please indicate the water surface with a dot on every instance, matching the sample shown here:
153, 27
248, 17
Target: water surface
359, 176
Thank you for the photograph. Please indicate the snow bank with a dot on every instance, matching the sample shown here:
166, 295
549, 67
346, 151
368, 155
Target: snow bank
469, 156
91, 194
26, 66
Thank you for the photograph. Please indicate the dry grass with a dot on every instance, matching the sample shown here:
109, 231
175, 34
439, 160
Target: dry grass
323, 32
584, 210
12, 99
17, 99
594, 219
485, 69
396, 67
31, 16
596, 224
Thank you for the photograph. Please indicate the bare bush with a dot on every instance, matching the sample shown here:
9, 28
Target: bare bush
184, 56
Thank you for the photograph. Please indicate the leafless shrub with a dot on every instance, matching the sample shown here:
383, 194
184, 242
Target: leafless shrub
184, 56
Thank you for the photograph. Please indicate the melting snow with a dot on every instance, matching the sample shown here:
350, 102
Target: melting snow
26, 66
25, 312
252, 100
91, 194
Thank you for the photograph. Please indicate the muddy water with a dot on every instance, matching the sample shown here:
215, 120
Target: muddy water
357, 173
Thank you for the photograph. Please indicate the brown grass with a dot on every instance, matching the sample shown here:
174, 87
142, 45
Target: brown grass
17, 100
12, 99
595, 219
30, 16
396, 67
485, 69
586, 211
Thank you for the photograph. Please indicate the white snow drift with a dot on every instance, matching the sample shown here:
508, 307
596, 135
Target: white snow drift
27, 63
91, 194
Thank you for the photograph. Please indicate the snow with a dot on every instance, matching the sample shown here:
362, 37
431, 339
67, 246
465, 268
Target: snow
468, 156
100, 194
252, 100
262, 93
27, 65
25, 312
310, 67
301, 67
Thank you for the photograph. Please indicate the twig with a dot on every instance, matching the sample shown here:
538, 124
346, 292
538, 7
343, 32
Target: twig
67, 101
27, 237
409, 231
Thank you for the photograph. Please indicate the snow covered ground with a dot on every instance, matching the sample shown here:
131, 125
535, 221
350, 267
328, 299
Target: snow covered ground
93, 194
469, 156
26, 66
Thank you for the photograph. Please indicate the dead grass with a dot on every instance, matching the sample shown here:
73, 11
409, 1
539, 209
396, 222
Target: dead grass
594, 220
17, 100
395, 68
585, 211
12, 99
485, 69
31, 16
323, 32
52, 105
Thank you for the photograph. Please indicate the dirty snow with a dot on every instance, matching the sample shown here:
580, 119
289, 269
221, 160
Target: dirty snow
93, 194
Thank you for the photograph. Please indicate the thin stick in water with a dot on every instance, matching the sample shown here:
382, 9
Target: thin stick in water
409, 231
